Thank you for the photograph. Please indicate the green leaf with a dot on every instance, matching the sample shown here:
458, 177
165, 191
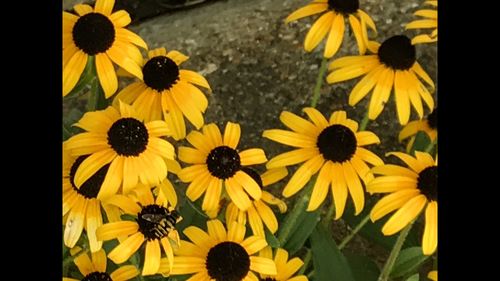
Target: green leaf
414, 277
373, 231
421, 142
408, 262
302, 230
362, 267
271, 239
329, 263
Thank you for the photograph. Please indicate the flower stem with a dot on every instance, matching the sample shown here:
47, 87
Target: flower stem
298, 208
307, 259
386, 271
319, 82
354, 231
364, 122
429, 148
329, 215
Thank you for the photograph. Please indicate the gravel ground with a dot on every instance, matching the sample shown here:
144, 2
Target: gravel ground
257, 67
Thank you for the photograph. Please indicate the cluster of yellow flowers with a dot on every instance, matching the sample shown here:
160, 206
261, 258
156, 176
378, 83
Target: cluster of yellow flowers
120, 160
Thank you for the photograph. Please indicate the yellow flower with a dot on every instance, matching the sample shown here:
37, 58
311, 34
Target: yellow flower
99, 33
154, 225
285, 268
433, 275
220, 255
331, 22
94, 268
411, 190
393, 65
430, 21
81, 208
167, 91
259, 212
334, 148
427, 125
216, 162
134, 149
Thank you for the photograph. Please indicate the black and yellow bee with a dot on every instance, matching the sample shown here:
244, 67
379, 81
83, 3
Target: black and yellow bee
164, 222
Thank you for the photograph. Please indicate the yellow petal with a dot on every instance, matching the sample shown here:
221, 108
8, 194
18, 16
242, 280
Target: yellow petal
151, 257
83, 9
303, 175
351, 72
74, 223
128, 36
358, 34
381, 93
392, 202
253, 244
194, 78
99, 260
177, 57
112, 230
104, 6
93, 221
339, 189
354, 186
267, 216
127, 248
292, 157
252, 156
404, 215
122, 59
190, 173
212, 195
237, 195
84, 264
216, 229
213, 134
232, 134
106, 73
273, 175
73, 70
316, 117
92, 164
123, 273
306, 11
113, 179
120, 18
430, 238
335, 36
262, 265
318, 31
365, 85
289, 138
173, 116
320, 189
298, 124
249, 184
255, 222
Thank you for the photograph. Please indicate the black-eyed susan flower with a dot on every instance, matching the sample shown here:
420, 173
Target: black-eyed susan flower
154, 226
331, 23
134, 149
427, 125
334, 148
167, 91
286, 268
216, 163
220, 254
259, 213
81, 206
94, 268
99, 33
433, 275
393, 65
430, 21
411, 190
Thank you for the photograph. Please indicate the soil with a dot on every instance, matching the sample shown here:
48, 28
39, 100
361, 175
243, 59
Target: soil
257, 67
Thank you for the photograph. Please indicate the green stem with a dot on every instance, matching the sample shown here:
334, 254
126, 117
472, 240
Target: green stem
355, 231
329, 215
430, 146
386, 271
310, 274
319, 82
307, 259
364, 122
298, 208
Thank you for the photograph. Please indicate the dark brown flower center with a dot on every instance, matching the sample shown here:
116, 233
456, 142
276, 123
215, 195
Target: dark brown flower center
228, 261
160, 73
428, 183
93, 33
344, 6
128, 137
91, 187
223, 162
397, 53
432, 119
337, 143
97, 276
155, 221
